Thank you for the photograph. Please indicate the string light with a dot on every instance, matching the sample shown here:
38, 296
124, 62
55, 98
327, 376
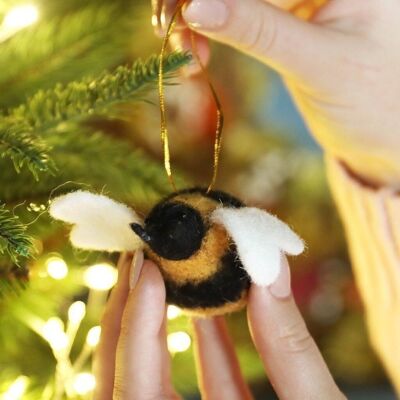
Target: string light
56, 268
100, 277
53, 325
173, 312
20, 17
93, 336
76, 312
53, 332
178, 342
84, 383
17, 389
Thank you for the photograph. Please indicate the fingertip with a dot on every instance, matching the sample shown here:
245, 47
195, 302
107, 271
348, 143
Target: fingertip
123, 264
139, 366
145, 306
151, 283
182, 41
264, 310
259, 296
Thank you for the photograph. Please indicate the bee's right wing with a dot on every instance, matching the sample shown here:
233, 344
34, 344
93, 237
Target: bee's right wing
99, 223
260, 239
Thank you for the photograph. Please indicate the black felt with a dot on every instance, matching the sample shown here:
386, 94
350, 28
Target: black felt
227, 285
175, 230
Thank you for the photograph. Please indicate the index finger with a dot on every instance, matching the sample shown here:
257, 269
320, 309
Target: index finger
104, 356
141, 364
289, 354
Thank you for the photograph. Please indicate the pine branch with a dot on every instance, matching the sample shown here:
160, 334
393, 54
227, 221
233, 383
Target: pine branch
64, 48
78, 100
19, 144
96, 160
47, 109
13, 238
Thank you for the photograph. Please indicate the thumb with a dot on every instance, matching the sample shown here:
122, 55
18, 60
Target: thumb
290, 356
293, 47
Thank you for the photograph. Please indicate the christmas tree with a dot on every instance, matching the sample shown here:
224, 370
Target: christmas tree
78, 110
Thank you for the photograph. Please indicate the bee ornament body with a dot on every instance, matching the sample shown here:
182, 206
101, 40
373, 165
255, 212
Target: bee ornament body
209, 246
199, 262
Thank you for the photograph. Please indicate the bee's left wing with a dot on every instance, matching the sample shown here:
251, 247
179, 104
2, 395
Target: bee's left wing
99, 223
260, 239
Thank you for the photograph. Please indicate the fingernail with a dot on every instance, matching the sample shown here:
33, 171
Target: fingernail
281, 288
123, 268
136, 267
206, 14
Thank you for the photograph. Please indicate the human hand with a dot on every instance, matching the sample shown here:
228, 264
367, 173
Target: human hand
341, 68
132, 360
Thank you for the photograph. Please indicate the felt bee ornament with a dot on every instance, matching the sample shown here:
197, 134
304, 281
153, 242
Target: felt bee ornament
208, 245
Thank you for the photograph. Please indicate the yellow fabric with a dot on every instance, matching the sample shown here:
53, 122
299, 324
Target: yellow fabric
371, 217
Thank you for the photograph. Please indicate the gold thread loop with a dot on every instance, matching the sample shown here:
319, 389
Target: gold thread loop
164, 129
220, 114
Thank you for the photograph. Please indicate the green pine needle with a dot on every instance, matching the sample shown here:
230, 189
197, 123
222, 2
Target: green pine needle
21, 129
13, 238
81, 99
24, 149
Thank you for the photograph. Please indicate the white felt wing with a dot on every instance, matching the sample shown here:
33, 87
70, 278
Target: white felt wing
99, 223
260, 239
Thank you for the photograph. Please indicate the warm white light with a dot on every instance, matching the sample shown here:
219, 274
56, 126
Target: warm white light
84, 383
16, 389
93, 336
53, 332
52, 327
76, 312
100, 276
178, 342
173, 312
21, 16
56, 268
154, 20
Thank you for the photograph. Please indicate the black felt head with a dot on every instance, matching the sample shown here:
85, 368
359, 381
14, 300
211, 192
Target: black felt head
173, 230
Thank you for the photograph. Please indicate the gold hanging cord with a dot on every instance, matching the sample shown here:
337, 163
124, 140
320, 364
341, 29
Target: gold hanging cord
164, 129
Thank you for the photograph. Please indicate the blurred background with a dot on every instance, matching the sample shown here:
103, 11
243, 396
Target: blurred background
70, 118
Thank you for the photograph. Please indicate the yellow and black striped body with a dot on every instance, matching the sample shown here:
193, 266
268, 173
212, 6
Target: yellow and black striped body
211, 280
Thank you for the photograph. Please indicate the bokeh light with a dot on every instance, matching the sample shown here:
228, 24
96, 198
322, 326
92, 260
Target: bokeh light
100, 276
173, 312
93, 336
76, 312
17, 389
21, 16
56, 268
84, 383
53, 332
178, 342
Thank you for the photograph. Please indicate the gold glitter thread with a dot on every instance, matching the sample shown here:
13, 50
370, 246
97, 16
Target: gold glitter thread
220, 115
161, 96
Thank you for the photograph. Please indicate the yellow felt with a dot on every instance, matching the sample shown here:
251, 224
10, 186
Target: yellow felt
215, 311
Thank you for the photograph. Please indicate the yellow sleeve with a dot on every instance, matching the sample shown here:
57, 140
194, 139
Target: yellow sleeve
371, 217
